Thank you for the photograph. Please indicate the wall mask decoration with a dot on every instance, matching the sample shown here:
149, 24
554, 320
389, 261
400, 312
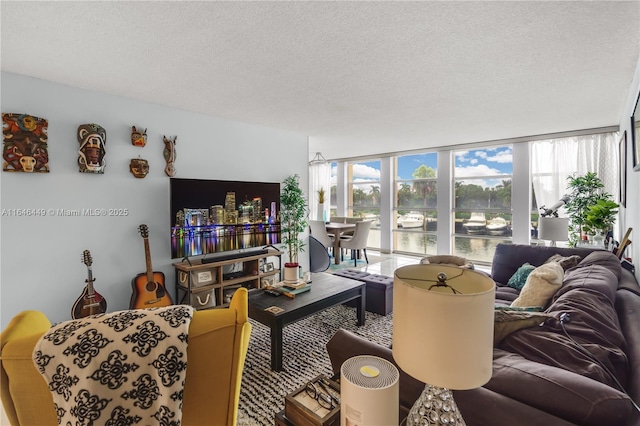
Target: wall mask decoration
138, 138
25, 146
170, 155
139, 167
92, 139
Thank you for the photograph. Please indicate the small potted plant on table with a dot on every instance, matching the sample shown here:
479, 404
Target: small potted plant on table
600, 217
293, 221
321, 195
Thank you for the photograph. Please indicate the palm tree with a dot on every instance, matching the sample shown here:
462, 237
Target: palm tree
424, 188
375, 194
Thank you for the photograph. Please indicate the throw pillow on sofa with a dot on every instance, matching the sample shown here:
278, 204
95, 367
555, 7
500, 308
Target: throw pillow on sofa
518, 279
542, 283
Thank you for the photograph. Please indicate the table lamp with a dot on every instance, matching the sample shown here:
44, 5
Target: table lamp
553, 229
442, 335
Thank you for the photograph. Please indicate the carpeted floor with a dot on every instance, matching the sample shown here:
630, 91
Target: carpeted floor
263, 390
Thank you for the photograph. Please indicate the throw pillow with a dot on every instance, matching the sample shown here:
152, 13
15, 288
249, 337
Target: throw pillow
541, 285
508, 321
566, 262
518, 279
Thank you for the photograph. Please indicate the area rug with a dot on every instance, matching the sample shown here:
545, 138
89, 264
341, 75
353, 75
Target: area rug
305, 357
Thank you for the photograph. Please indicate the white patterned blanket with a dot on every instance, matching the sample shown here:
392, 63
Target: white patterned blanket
122, 368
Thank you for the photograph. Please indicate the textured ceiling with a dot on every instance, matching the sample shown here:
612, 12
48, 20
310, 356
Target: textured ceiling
358, 78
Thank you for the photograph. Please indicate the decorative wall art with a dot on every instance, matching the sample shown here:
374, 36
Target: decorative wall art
138, 138
92, 138
25, 146
169, 155
139, 167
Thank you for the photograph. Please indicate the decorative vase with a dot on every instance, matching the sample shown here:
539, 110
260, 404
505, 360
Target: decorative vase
598, 239
321, 211
291, 273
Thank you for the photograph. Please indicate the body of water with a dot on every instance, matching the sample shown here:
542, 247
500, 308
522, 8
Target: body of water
475, 248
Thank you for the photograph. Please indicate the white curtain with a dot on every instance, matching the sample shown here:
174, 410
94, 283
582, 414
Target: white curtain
319, 177
553, 160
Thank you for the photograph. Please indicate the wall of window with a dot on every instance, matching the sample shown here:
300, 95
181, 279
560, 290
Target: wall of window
415, 203
470, 200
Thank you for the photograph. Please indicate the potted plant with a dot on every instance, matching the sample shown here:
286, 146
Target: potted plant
585, 191
293, 221
600, 217
321, 195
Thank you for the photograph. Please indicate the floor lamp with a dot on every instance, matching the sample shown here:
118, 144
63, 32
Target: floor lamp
442, 335
553, 229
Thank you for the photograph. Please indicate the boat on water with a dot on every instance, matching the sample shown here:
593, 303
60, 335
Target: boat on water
497, 226
477, 224
411, 220
374, 219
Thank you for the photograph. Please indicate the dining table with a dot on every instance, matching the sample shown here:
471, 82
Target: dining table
337, 229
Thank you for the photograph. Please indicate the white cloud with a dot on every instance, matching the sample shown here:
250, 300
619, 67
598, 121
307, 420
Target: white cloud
481, 154
476, 171
362, 172
461, 156
502, 157
473, 161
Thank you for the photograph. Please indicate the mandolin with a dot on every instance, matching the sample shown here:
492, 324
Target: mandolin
148, 287
90, 301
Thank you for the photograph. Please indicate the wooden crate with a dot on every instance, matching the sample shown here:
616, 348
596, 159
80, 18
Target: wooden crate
302, 410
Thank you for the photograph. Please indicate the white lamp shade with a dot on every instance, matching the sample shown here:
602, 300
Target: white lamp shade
553, 228
441, 338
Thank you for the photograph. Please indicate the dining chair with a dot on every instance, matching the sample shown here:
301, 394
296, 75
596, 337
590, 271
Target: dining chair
358, 241
319, 232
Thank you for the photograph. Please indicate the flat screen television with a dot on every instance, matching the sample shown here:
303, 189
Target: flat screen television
211, 217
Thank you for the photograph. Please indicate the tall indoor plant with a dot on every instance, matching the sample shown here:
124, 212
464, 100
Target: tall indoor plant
293, 221
585, 191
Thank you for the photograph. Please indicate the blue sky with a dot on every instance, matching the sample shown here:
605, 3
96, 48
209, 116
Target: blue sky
477, 163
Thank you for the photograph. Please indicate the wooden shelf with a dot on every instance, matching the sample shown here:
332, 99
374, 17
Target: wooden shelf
203, 285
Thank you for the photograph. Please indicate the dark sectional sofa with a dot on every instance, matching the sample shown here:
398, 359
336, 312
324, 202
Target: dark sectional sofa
541, 376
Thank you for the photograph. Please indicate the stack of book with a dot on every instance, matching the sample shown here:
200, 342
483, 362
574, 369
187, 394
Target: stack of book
291, 290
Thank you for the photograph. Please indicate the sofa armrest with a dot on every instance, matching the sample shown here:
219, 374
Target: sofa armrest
344, 345
628, 308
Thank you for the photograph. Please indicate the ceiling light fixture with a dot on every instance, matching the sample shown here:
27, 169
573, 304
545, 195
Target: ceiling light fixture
318, 159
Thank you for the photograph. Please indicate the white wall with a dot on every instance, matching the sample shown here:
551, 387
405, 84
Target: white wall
41, 256
630, 217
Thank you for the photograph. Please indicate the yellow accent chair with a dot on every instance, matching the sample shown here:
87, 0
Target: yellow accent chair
218, 342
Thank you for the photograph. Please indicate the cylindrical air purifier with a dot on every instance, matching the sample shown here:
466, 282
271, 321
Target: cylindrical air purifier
369, 392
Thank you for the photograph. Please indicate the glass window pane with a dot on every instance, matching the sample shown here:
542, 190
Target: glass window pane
482, 201
415, 203
333, 196
364, 196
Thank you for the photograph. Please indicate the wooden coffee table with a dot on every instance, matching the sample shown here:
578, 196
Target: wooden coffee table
326, 291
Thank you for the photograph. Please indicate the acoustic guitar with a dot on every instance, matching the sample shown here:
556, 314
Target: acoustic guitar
90, 301
148, 287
